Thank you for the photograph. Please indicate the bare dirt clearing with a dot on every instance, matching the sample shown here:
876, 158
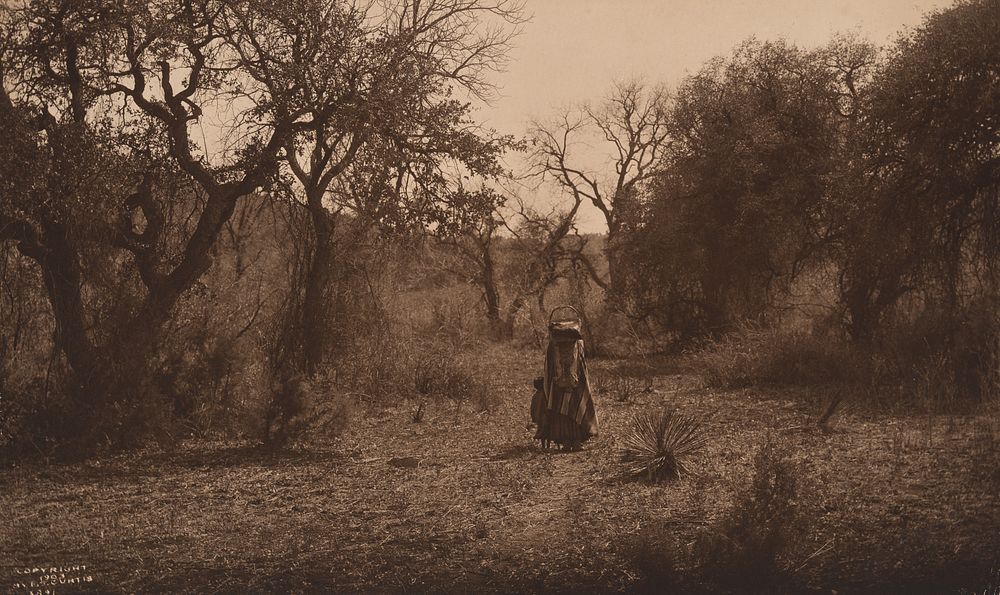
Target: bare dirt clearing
463, 501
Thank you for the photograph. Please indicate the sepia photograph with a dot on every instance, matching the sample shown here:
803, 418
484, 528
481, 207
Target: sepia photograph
500, 296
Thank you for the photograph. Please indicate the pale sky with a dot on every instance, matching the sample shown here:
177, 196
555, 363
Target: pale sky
572, 50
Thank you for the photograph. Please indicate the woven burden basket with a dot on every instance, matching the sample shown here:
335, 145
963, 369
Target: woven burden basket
564, 328
576, 315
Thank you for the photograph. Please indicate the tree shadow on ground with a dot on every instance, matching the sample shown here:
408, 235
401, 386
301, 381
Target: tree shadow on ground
517, 450
326, 580
245, 456
201, 457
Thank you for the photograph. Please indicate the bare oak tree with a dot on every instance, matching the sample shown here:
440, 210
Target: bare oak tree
632, 122
542, 249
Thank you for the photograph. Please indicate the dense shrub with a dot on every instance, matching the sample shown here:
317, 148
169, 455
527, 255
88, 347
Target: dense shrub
931, 361
377, 365
442, 373
756, 354
33, 418
943, 360
748, 547
306, 410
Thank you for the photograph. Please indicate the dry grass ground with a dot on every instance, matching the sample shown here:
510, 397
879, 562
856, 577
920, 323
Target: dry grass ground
464, 502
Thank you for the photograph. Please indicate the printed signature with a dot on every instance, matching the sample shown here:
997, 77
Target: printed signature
50, 579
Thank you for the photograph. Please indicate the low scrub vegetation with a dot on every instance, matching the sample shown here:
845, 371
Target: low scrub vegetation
757, 354
750, 548
752, 543
622, 388
931, 364
454, 376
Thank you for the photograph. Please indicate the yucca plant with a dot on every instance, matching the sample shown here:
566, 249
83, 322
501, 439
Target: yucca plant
656, 445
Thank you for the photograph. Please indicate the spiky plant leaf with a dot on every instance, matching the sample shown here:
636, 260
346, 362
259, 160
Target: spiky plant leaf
657, 445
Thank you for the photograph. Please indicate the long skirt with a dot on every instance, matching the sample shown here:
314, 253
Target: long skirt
556, 427
562, 430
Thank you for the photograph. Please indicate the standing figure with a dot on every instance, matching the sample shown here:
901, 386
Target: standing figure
566, 413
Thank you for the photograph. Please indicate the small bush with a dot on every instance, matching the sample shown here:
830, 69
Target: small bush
200, 376
377, 366
304, 410
656, 446
487, 395
620, 388
288, 398
418, 414
749, 545
328, 411
444, 373
437, 373
747, 550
